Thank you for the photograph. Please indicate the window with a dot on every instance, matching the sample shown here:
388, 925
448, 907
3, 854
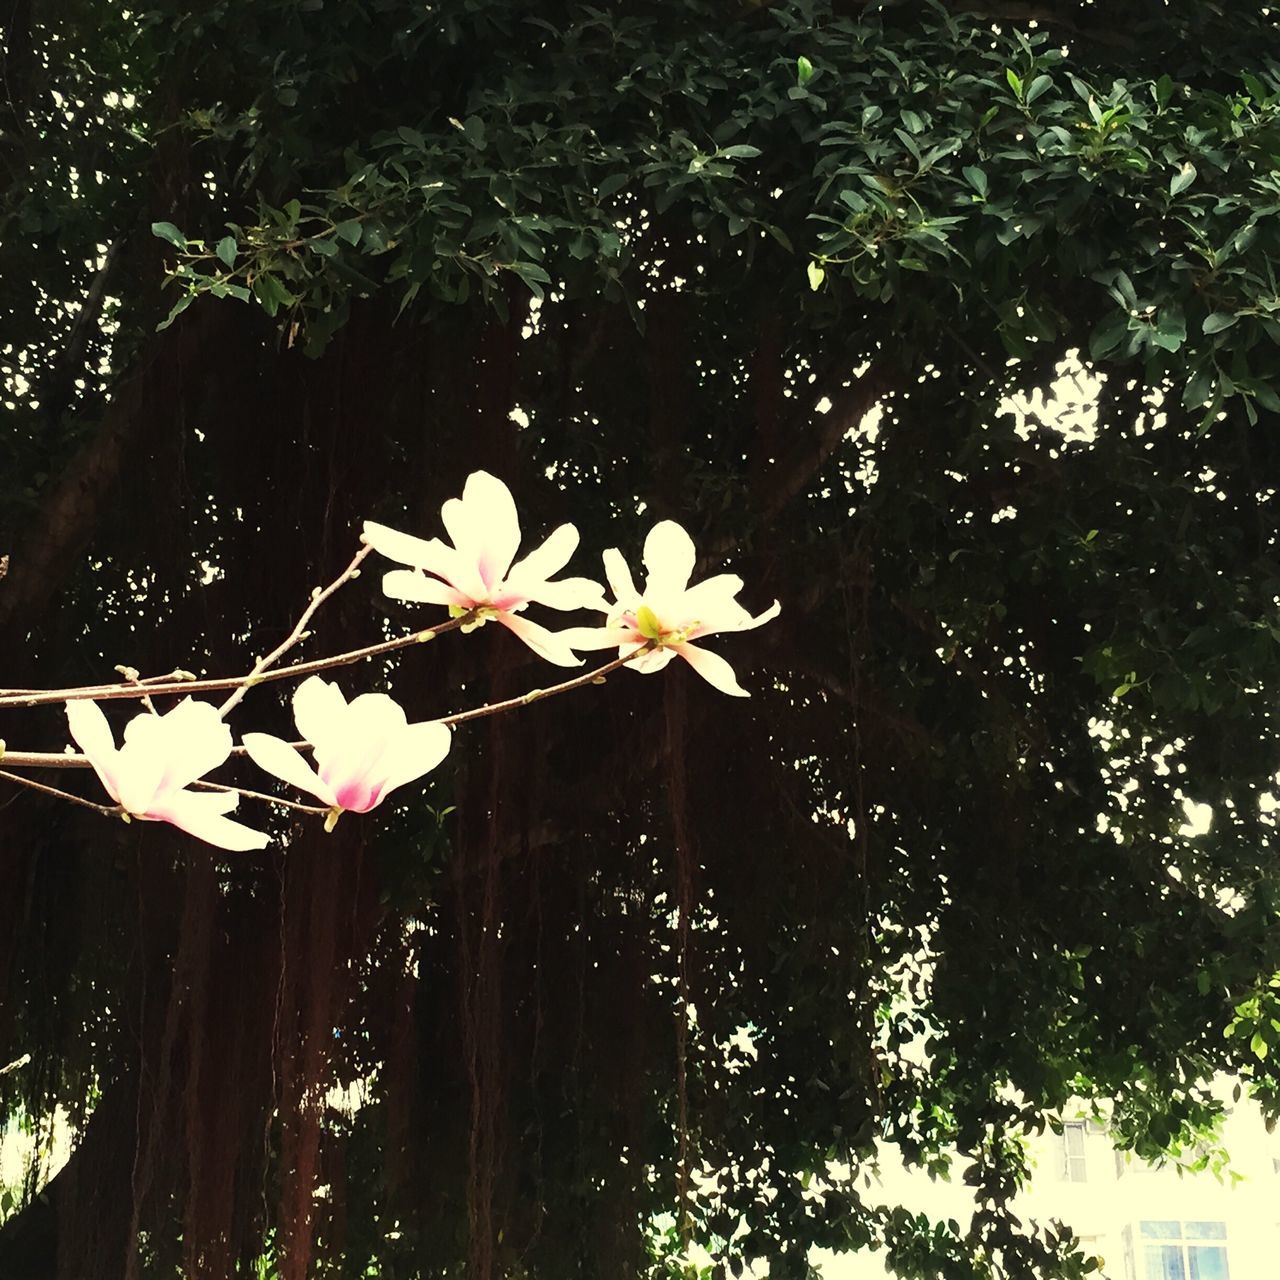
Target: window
1071, 1152
1182, 1251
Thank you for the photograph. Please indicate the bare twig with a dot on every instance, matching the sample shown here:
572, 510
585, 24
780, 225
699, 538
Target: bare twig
109, 692
536, 695
108, 810
260, 795
69, 760
318, 597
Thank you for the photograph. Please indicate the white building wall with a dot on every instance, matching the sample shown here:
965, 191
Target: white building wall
1115, 1194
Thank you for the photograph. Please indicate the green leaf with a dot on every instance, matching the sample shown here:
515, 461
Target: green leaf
804, 70
1218, 321
533, 275
1259, 1045
1183, 178
1256, 89
178, 308
1039, 86
1202, 983
1108, 334
817, 275
1015, 81
739, 152
1170, 330
1163, 91
226, 251
412, 137
976, 178
350, 230
167, 231
271, 294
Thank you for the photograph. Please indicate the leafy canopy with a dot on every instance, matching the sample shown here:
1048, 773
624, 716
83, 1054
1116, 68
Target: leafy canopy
801, 276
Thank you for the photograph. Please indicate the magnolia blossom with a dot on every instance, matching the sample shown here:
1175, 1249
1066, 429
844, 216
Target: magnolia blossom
670, 614
161, 756
476, 573
364, 749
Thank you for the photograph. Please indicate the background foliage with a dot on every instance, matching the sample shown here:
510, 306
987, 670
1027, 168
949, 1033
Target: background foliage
800, 275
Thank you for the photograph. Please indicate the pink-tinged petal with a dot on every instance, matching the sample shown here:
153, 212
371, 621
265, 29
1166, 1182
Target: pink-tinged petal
278, 758
409, 584
546, 644
621, 583
92, 734
668, 560
646, 663
712, 668
350, 763
358, 795
484, 527
416, 751
203, 814
548, 559
570, 593
319, 711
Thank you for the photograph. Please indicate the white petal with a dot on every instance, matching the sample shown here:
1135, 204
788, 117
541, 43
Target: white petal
649, 662
668, 559
202, 814
430, 555
409, 584
319, 711
484, 527
195, 739
417, 750
570, 593
619, 577
546, 560
92, 734
141, 762
761, 618
546, 644
420, 553
278, 758
712, 668
712, 605
595, 637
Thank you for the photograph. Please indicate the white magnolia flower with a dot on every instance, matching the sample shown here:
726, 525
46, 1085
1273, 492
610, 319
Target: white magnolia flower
476, 572
669, 615
161, 756
364, 749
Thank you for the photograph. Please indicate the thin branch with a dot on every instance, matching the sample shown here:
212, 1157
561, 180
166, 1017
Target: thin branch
171, 677
318, 597
108, 810
43, 759
68, 760
260, 795
536, 695
108, 692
